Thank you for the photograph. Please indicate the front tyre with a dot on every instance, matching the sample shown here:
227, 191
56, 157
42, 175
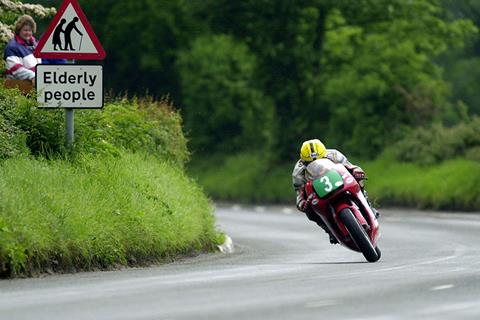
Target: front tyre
359, 236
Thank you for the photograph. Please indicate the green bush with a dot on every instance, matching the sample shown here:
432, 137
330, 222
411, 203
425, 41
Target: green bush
473, 154
429, 145
12, 140
41, 130
245, 177
98, 212
135, 125
138, 125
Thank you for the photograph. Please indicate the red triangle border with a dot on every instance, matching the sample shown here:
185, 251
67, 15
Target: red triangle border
100, 55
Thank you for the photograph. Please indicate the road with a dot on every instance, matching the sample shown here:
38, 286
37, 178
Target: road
283, 268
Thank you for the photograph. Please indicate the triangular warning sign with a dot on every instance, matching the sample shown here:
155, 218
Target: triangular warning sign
70, 36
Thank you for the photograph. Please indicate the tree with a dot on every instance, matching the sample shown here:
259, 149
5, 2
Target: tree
223, 109
380, 74
9, 10
344, 71
355, 73
142, 38
463, 65
286, 37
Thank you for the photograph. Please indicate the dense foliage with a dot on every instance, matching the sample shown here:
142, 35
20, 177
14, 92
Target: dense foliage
462, 67
27, 129
359, 74
142, 125
321, 64
224, 110
437, 143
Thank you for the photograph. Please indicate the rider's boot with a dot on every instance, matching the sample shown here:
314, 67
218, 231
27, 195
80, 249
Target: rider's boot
332, 238
312, 216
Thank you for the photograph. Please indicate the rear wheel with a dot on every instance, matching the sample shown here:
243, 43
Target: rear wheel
359, 236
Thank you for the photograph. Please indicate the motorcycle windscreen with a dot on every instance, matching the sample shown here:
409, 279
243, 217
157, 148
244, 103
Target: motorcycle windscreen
328, 183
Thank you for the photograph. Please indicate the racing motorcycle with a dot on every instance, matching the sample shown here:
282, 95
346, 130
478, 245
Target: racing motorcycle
337, 198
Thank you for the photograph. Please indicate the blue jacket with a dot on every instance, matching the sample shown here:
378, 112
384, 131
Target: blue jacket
19, 59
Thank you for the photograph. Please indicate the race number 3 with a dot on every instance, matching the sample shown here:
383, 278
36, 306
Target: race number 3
327, 184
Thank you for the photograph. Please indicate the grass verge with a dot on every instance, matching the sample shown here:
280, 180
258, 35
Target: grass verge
453, 184
99, 212
244, 178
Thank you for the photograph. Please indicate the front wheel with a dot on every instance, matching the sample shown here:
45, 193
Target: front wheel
359, 236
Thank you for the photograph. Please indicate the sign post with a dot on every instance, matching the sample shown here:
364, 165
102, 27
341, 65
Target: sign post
68, 86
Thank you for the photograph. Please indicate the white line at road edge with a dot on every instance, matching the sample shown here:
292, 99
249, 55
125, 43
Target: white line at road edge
320, 304
444, 287
227, 245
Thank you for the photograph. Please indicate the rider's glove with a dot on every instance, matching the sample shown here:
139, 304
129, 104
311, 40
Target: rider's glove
358, 173
302, 203
307, 203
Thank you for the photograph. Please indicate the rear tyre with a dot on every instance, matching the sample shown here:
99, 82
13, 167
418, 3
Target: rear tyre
379, 253
359, 236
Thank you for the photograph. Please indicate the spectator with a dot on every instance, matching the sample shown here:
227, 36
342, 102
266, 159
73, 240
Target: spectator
19, 59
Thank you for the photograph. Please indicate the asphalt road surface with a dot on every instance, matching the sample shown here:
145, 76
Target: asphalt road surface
283, 268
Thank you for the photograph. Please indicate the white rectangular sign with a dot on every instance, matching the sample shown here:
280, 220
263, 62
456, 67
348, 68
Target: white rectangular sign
69, 86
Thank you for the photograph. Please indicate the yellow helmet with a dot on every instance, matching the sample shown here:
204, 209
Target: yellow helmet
312, 149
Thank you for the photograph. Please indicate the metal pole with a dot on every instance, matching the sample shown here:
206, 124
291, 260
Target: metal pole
69, 126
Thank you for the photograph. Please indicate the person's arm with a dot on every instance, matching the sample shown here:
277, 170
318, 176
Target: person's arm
16, 68
337, 157
79, 32
298, 180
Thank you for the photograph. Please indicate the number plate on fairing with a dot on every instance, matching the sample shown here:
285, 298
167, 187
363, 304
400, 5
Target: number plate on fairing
328, 183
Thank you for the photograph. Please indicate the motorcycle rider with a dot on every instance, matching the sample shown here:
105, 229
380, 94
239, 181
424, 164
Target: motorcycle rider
311, 150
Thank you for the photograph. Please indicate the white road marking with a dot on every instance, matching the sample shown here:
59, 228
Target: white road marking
287, 210
444, 287
320, 304
236, 207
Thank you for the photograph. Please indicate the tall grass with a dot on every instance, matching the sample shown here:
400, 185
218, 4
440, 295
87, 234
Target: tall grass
97, 213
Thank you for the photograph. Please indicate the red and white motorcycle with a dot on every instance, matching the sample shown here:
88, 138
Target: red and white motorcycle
337, 198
